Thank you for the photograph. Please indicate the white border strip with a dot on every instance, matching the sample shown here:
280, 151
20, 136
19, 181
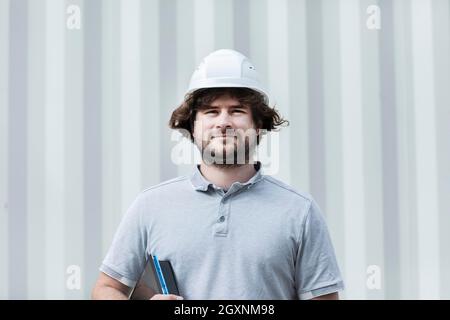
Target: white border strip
426, 162
130, 101
55, 149
352, 150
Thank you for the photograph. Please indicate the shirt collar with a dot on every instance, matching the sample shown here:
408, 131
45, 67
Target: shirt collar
200, 183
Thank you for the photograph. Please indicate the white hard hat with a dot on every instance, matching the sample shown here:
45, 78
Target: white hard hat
226, 68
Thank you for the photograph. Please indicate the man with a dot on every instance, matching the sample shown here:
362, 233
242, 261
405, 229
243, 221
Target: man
229, 231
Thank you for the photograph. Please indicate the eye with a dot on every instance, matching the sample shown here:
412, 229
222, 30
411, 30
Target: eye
210, 111
239, 111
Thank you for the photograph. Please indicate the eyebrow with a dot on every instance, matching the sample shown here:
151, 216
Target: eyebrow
216, 107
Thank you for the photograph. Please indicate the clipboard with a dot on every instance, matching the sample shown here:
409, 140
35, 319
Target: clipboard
157, 277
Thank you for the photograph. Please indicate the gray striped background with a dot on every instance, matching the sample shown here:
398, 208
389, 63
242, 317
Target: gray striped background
83, 127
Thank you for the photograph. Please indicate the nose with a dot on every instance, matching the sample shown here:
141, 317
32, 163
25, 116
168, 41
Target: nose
224, 121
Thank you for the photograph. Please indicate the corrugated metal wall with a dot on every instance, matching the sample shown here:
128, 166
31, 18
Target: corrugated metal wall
84, 112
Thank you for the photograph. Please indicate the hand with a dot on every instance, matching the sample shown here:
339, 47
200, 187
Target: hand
166, 297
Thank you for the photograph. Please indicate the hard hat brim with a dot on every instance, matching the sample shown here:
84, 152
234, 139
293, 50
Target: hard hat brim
227, 83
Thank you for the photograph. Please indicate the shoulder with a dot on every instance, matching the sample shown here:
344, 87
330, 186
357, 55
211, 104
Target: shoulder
285, 190
168, 186
286, 196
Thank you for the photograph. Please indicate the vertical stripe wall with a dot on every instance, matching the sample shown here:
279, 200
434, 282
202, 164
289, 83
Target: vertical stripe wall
84, 112
35, 159
352, 147
441, 21
4, 159
77, 65
405, 150
424, 104
56, 151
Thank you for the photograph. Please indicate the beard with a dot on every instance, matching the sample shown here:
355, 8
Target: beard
227, 152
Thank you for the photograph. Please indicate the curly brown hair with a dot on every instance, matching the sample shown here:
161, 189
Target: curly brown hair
264, 117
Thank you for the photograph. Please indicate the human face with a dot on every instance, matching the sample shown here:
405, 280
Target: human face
224, 132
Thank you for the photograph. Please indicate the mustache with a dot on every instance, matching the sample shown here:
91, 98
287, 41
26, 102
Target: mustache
237, 134
222, 136
223, 133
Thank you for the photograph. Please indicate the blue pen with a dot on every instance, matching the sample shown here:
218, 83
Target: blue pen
162, 281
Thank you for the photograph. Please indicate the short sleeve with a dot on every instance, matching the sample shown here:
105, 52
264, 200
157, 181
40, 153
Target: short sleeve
126, 257
316, 269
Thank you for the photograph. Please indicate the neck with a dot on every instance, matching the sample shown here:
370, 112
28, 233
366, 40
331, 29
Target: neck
224, 177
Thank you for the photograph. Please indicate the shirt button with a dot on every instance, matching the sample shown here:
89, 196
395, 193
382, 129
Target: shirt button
221, 219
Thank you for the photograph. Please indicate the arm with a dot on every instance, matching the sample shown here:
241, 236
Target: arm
317, 273
127, 256
108, 288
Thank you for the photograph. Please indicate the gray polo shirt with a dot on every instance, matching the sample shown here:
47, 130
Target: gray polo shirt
258, 240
